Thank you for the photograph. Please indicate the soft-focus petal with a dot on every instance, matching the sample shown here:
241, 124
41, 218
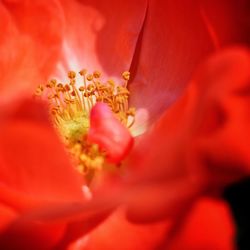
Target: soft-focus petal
41, 194
32, 235
31, 37
101, 34
177, 36
196, 142
109, 133
117, 232
54, 225
209, 225
29, 164
7, 215
149, 202
222, 117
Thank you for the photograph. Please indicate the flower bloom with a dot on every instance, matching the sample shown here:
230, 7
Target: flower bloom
196, 139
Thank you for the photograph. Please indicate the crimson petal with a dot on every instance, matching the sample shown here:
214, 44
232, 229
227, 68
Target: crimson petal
199, 145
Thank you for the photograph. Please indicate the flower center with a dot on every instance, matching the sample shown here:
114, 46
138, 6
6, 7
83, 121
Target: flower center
71, 105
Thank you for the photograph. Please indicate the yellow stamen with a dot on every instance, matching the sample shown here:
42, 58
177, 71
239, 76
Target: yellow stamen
70, 106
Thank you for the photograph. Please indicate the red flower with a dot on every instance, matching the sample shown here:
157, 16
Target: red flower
197, 130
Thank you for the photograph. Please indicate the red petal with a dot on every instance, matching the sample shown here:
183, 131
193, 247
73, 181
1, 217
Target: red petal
149, 202
56, 224
109, 133
7, 215
33, 160
175, 39
35, 175
117, 232
32, 235
30, 45
43, 24
208, 226
223, 117
102, 35
200, 143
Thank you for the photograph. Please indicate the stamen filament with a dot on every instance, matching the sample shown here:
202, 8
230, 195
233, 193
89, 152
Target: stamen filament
70, 108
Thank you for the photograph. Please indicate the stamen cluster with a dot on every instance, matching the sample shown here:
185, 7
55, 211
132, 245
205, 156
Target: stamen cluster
70, 106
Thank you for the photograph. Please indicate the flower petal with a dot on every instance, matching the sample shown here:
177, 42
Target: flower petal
117, 231
30, 45
7, 215
29, 164
35, 175
199, 144
222, 120
102, 35
32, 235
109, 133
177, 36
56, 224
208, 226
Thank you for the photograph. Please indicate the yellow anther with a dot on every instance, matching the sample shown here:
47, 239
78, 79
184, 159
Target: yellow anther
67, 87
126, 75
122, 91
84, 157
51, 96
59, 85
131, 111
91, 87
111, 82
86, 94
71, 74
70, 108
98, 162
51, 83
89, 77
72, 82
83, 72
97, 74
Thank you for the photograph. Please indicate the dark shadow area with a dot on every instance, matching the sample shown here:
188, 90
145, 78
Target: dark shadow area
238, 196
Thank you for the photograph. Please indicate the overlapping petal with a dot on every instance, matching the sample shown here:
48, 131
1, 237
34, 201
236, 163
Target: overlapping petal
209, 225
29, 164
101, 35
109, 133
176, 37
117, 231
30, 44
198, 144
30, 167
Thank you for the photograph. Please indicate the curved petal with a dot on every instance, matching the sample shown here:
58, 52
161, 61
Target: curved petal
200, 143
35, 174
55, 224
101, 35
177, 36
32, 235
33, 160
208, 226
30, 45
7, 215
222, 120
109, 133
117, 232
